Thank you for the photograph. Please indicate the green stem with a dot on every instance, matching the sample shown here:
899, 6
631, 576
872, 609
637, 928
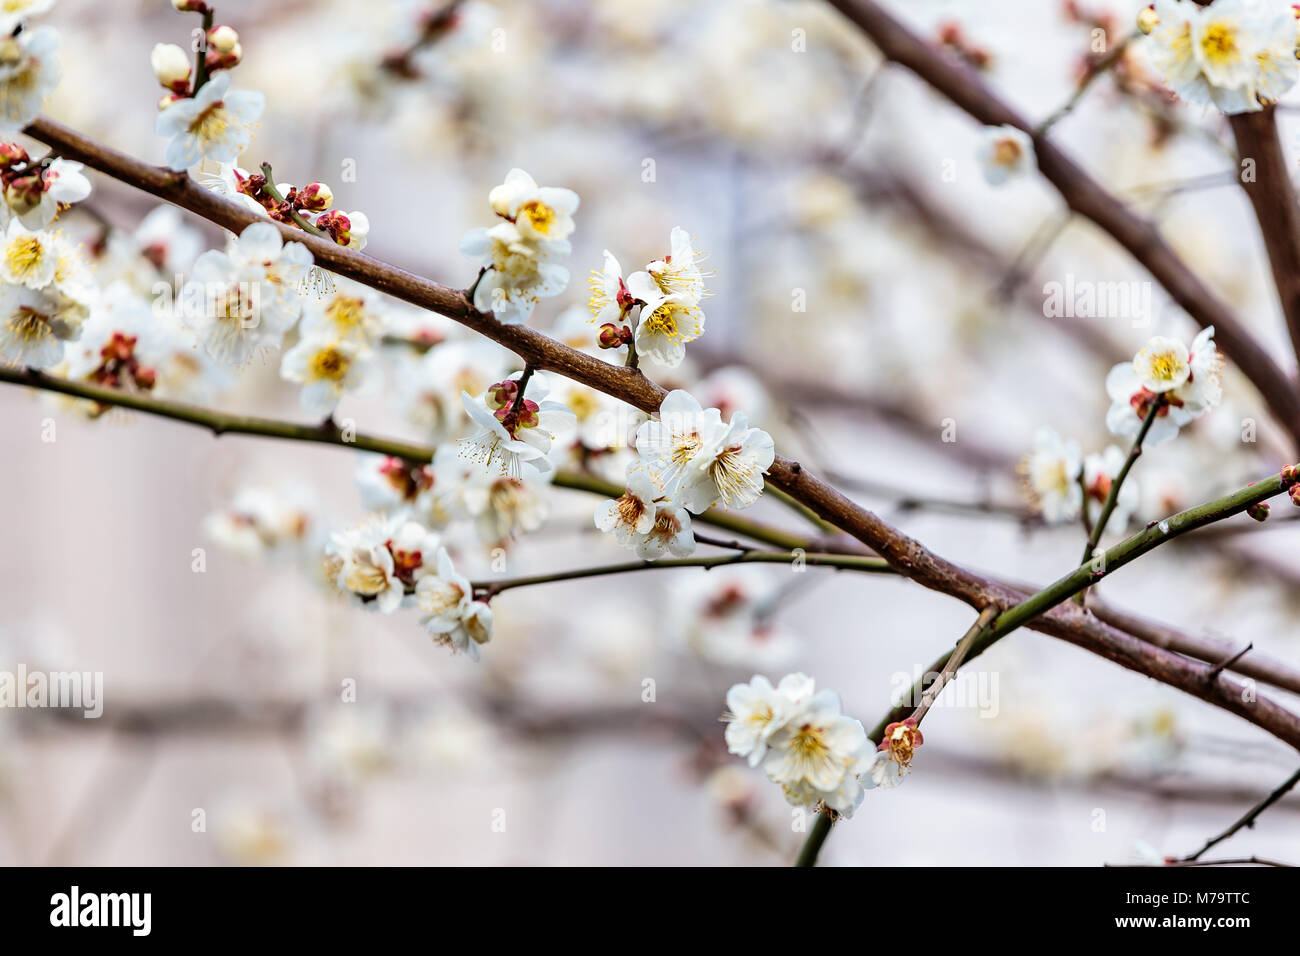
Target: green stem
201, 55
298, 219
813, 845
1112, 496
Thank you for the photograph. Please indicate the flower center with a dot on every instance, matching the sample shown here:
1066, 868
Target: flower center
329, 364
1219, 43
24, 254
212, 125
735, 475
539, 215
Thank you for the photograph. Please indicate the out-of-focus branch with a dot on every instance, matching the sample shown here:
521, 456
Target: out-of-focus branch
1248, 819
1273, 197
967, 90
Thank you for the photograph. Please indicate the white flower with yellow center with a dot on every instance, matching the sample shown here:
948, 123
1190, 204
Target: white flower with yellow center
377, 563
1196, 374
666, 323
1004, 153
29, 72
610, 299
327, 367
347, 313
541, 213
1224, 42
679, 273
818, 754
34, 324
214, 124
520, 271
644, 521
755, 711
240, 302
1162, 364
28, 258
1051, 473
449, 611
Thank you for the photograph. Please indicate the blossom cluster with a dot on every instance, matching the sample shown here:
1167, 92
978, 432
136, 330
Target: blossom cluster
1167, 378
36, 192
389, 562
1239, 55
46, 291
819, 756
519, 256
689, 460
662, 303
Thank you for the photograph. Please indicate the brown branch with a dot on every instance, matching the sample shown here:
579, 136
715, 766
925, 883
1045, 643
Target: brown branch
1273, 197
967, 90
1247, 821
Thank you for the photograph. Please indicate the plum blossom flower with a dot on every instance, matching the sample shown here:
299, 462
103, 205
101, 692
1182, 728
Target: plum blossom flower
644, 521
14, 12
242, 300
327, 367
514, 430
216, 123
541, 213
1235, 54
1184, 382
699, 460
667, 320
378, 561
519, 273
29, 72
1005, 153
519, 254
34, 324
37, 199
449, 611
610, 299
803, 741
1051, 473
679, 273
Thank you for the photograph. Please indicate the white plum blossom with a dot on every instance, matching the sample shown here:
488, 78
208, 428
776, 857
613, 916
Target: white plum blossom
262, 521
378, 561
519, 271
1005, 153
1235, 54
449, 611
679, 273
390, 484
1186, 382
216, 123
514, 430
327, 367
346, 313
242, 300
1051, 473
643, 520
541, 213
61, 184
667, 321
610, 299
35, 323
699, 460
519, 255
819, 756
29, 72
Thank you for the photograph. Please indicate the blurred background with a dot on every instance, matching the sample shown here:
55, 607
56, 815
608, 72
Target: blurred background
809, 174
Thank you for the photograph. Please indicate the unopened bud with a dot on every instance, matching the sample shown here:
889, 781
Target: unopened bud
1258, 511
218, 60
1289, 474
1148, 19
223, 38
1295, 495
171, 66
24, 193
502, 394
614, 336
11, 154
316, 197
190, 6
